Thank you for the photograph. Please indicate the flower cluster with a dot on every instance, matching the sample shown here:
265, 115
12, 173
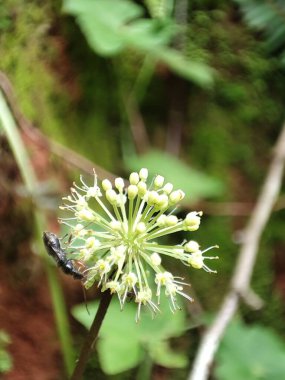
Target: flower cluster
115, 231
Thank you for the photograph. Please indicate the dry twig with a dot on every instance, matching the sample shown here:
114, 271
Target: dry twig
240, 283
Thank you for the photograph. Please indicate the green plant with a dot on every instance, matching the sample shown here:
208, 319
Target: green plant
148, 340
6, 363
113, 26
267, 16
252, 353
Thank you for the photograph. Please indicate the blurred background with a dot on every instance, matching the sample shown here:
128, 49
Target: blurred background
192, 90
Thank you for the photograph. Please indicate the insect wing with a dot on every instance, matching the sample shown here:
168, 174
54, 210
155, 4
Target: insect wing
51, 243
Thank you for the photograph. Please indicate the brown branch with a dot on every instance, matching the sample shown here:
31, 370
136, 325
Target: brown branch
137, 126
92, 336
243, 271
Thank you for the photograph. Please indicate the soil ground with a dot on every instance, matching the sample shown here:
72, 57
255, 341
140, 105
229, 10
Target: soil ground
26, 315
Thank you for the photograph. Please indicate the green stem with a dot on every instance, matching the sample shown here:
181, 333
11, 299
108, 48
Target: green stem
145, 369
143, 78
8, 123
61, 319
19, 151
91, 336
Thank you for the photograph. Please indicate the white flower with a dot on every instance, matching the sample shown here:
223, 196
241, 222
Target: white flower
115, 231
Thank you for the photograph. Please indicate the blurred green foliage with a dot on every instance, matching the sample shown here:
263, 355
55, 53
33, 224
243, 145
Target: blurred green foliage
268, 17
252, 353
124, 344
194, 183
115, 25
78, 97
5, 358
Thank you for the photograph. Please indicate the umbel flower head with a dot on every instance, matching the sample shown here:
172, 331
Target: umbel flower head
115, 233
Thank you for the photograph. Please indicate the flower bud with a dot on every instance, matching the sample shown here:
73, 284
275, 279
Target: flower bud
143, 174
176, 196
167, 188
85, 215
162, 201
132, 191
192, 221
196, 261
115, 225
161, 221
171, 220
111, 195
119, 183
142, 189
106, 185
134, 178
155, 259
158, 181
152, 197
141, 227
191, 246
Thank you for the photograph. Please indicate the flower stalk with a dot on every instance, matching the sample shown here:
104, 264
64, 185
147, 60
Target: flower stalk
88, 345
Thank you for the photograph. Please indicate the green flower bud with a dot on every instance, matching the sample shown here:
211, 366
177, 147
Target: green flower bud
134, 178
119, 183
176, 196
141, 228
143, 174
111, 196
142, 189
191, 246
171, 220
106, 185
132, 191
158, 181
167, 188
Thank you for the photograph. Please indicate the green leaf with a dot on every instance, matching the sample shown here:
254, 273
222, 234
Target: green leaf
252, 353
123, 343
5, 358
5, 361
119, 355
110, 26
161, 354
195, 71
195, 184
159, 8
267, 16
149, 35
103, 22
4, 338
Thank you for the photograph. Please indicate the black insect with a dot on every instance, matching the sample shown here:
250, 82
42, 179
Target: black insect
54, 249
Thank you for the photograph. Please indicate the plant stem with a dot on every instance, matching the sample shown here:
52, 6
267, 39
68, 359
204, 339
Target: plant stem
92, 336
145, 369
